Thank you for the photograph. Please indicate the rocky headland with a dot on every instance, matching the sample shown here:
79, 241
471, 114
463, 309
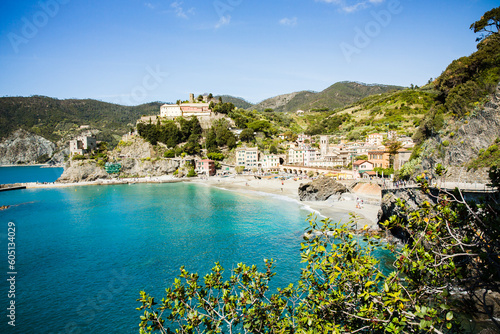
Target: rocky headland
22, 147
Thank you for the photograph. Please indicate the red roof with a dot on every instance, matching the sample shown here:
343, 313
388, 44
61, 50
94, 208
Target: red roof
359, 162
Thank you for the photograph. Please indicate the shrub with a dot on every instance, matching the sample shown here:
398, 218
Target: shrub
169, 154
191, 173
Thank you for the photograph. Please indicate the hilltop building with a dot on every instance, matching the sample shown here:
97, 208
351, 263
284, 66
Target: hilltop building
188, 109
185, 110
82, 145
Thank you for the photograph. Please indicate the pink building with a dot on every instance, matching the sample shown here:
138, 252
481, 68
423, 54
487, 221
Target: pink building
206, 167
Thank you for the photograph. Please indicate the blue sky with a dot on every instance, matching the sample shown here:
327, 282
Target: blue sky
135, 51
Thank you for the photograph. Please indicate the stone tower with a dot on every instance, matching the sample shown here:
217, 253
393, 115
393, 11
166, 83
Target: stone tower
191, 98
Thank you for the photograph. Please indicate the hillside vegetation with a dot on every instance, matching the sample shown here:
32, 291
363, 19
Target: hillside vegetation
337, 95
55, 119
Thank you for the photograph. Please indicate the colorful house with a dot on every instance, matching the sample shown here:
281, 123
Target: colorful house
206, 166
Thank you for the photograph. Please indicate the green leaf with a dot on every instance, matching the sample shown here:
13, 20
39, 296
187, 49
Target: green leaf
449, 316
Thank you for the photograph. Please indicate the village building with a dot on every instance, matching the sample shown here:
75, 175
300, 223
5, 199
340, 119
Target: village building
391, 134
375, 139
379, 158
206, 167
247, 157
269, 163
185, 110
310, 155
82, 145
362, 166
301, 138
296, 156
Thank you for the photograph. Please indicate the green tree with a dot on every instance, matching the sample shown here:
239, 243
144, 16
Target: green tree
231, 142
488, 25
211, 140
215, 156
393, 148
247, 135
273, 149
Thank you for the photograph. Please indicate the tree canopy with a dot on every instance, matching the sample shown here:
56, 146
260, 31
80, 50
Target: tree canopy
488, 24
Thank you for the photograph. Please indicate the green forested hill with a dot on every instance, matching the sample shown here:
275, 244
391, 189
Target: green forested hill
337, 95
237, 101
52, 118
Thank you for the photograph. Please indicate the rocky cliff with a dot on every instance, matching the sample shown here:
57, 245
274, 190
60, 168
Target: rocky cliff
22, 147
137, 157
321, 189
461, 140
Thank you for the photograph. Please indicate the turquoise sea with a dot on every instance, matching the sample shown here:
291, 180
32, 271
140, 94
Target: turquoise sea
19, 174
84, 253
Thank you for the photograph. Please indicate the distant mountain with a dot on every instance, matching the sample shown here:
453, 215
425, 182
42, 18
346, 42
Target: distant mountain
281, 102
56, 119
337, 95
237, 101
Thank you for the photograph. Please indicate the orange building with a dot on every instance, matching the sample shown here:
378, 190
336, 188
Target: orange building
379, 158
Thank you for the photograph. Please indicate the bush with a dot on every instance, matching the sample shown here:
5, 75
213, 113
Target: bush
215, 156
78, 157
169, 154
191, 173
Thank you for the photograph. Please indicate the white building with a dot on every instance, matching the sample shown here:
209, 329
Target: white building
375, 139
247, 157
269, 162
185, 110
82, 144
324, 143
296, 156
310, 155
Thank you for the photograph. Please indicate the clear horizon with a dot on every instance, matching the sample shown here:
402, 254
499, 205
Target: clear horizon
136, 52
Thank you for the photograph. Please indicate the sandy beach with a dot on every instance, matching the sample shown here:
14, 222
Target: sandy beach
366, 216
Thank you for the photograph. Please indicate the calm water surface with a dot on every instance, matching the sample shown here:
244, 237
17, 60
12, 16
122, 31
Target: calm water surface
19, 174
84, 253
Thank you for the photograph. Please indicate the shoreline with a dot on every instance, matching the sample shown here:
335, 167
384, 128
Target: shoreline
366, 216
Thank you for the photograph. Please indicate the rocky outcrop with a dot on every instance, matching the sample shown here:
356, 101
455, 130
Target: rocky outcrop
413, 197
86, 170
89, 170
321, 189
141, 168
23, 147
137, 157
463, 141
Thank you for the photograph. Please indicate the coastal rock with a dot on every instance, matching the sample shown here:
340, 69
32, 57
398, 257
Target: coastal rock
59, 157
151, 167
321, 189
77, 171
23, 147
466, 137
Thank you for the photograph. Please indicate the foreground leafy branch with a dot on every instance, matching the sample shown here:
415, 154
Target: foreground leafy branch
341, 290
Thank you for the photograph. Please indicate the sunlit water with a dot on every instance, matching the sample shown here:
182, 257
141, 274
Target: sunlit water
19, 174
84, 253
